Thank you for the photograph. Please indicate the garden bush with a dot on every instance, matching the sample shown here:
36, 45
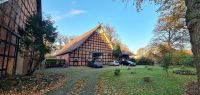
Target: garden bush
188, 61
133, 72
55, 63
182, 58
132, 59
147, 79
128, 68
117, 72
150, 69
145, 61
165, 63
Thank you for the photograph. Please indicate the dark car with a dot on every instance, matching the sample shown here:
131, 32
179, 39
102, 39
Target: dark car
95, 64
128, 62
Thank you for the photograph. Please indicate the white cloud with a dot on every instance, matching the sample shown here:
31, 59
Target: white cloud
56, 16
77, 12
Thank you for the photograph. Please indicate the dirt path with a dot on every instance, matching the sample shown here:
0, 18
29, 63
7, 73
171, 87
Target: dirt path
81, 80
91, 81
88, 86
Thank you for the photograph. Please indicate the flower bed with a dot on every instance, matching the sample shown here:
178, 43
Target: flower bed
26, 85
184, 72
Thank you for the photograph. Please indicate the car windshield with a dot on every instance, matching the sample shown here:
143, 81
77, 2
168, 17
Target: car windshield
115, 61
129, 61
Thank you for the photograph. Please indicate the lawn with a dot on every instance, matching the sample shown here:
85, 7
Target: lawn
90, 81
131, 82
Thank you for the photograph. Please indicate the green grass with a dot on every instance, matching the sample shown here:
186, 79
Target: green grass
127, 83
133, 84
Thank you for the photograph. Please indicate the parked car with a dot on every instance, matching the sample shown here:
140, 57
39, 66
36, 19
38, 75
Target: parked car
95, 64
128, 62
113, 63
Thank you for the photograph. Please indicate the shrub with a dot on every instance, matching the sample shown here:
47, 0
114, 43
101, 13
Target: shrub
117, 72
133, 72
5, 85
147, 79
182, 58
188, 61
132, 59
129, 68
145, 61
117, 51
166, 62
150, 69
55, 63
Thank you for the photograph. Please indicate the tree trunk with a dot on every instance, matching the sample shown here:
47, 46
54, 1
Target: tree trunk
33, 67
169, 47
193, 24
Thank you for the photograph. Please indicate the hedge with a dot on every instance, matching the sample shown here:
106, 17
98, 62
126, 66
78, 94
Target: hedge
55, 63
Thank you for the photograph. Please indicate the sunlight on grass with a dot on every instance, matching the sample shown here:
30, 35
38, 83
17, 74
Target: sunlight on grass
133, 83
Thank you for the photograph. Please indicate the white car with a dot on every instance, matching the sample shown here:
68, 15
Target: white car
114, 63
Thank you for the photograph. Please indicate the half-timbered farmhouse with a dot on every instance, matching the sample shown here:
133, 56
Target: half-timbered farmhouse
92, 45
13, 15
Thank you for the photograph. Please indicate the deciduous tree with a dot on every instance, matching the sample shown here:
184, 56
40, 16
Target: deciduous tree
140, 52
117, 51
112, 34
171, 27
192, 23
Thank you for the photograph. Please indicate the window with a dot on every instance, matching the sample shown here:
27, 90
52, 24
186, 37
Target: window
6, 20
2, 45
13, 41
12, 51
1, 61
3, 34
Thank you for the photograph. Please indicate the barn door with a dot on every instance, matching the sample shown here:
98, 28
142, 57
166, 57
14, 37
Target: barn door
97, 56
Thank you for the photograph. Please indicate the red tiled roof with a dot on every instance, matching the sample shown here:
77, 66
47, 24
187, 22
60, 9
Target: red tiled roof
76, 43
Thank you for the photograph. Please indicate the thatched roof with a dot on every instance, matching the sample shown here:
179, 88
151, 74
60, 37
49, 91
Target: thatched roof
76, 43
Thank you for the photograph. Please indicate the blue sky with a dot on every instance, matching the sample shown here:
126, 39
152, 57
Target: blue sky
75, 17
